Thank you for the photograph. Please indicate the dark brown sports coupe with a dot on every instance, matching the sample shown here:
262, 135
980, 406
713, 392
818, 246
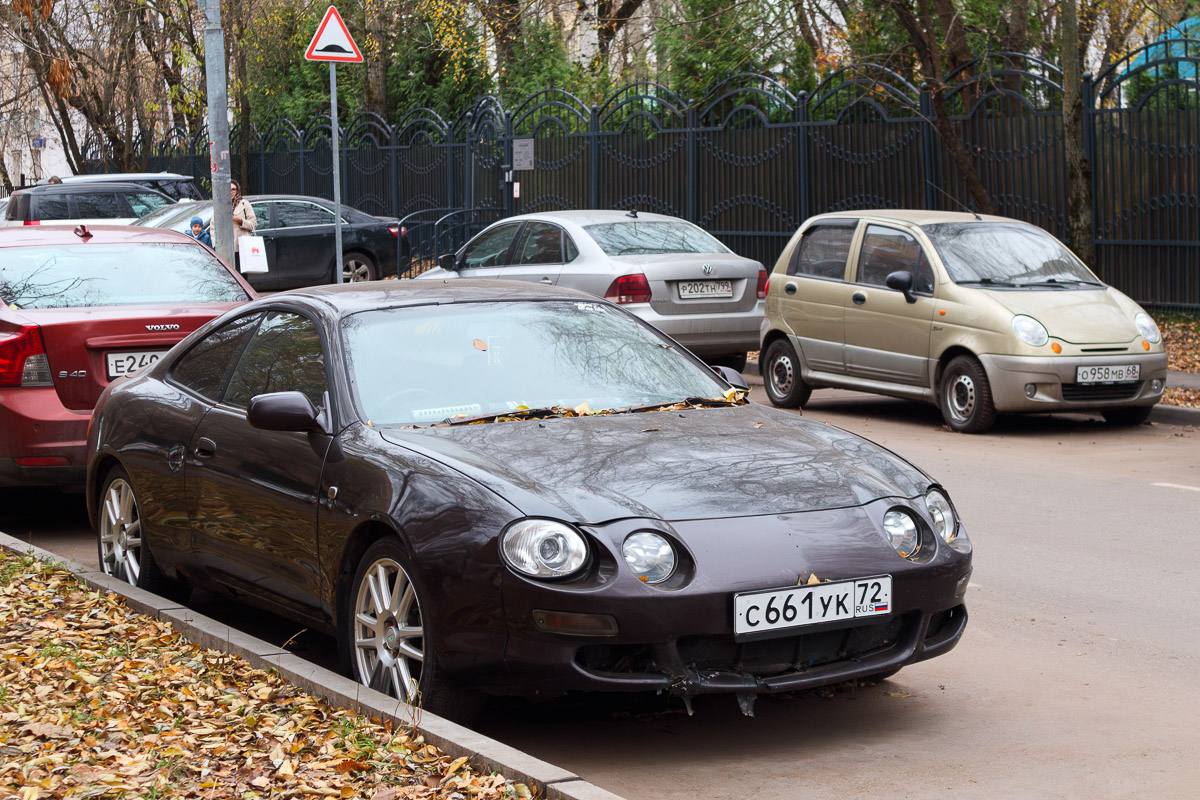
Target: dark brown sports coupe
508, 488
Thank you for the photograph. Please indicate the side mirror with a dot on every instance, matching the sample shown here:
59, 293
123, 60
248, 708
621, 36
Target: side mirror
732, 377
448, 262
282, 411
901, 281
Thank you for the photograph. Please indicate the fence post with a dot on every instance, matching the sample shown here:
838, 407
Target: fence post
693, 167
929, 148
469, 162
803, 179
594, 165
507, 165
1087, 95
303, 166
262, 165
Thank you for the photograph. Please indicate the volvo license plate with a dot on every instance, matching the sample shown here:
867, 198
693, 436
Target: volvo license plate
1113, 373
689, 290
798, 606
122, 364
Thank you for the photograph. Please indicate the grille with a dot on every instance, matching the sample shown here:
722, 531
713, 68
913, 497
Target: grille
1080, 393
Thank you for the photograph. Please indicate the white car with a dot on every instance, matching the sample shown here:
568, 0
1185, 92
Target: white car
669, 272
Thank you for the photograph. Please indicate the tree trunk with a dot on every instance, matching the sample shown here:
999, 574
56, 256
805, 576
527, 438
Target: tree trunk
1080, 234
377, 59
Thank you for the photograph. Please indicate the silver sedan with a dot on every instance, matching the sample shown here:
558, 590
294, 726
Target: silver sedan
667, 271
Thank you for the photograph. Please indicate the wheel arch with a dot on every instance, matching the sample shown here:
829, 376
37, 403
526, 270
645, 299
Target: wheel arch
948, 355
100, 466
361, 538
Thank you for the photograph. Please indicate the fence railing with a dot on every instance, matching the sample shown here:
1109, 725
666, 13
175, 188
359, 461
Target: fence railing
751, 160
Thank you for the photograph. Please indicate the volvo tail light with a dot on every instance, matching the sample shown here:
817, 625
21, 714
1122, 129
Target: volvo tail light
764, 285
23, 358
629, 289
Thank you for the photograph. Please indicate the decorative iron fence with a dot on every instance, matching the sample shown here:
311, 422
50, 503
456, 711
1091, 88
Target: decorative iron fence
751, 161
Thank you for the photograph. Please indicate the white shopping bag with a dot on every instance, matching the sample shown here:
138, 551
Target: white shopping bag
252, 254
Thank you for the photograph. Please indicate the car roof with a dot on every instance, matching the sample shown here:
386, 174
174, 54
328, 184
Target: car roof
86, 188
31, 235
352, 298
913, 216
121, 177
597, 216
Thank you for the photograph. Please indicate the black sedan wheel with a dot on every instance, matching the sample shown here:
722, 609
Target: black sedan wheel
966, 396
122, 551
389, 640
358, 268
780, 370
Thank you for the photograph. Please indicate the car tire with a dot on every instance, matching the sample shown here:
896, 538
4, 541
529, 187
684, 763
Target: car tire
735, 361
394, 652
965, 396
358, 268
121, 545
780, 368
1127, 415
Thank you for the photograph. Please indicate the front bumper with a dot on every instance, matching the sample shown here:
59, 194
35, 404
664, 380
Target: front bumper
34, 424
1054, 383
707, 335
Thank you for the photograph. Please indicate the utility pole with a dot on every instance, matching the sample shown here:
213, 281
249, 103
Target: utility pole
218, 129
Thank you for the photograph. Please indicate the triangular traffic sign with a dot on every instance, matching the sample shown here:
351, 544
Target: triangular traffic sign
332, 42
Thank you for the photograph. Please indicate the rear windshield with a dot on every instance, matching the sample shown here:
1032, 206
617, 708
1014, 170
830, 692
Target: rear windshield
80, 275
645, 238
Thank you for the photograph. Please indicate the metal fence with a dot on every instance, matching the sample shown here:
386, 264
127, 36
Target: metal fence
750, 161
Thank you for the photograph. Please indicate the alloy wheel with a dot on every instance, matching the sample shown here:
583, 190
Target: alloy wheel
389, 634
121, 532
356, 271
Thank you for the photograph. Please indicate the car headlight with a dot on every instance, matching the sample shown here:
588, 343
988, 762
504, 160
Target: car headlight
945, 524
650, 556
543, 548
1146, 327
901, 530
1029, 330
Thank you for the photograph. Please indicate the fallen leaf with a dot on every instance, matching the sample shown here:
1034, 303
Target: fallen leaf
898, 694
480, 344
813, 579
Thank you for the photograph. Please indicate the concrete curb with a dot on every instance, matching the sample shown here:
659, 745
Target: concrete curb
1163, 415
455, 740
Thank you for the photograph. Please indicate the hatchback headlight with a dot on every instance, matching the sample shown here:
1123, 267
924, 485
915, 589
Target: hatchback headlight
650, 556
1146, 327
945, 523
543, 548
1029, 330
902, 533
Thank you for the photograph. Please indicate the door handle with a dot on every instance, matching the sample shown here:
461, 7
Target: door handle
205, 448
789, 288
859, 298
546, 280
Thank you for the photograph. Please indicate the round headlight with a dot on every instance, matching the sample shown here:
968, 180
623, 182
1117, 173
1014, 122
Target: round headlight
942, 515
1029, 330
650, 556
901, 530
1146, 327
543, 548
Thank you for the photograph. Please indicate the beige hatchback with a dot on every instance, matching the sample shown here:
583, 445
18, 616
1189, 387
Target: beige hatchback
977, 314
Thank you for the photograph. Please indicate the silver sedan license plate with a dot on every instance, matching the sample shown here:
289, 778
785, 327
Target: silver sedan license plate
122, 364
1113, 373
795, 607
697, 289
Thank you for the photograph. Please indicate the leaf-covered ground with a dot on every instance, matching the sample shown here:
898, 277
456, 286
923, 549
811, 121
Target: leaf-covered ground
97, 700
1183, 353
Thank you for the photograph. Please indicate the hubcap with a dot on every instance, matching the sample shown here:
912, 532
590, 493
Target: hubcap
960, 397
783, 375
120, 533
356, 271
389, 635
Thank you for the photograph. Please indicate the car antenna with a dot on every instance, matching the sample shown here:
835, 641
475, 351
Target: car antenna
632, 213
957, 202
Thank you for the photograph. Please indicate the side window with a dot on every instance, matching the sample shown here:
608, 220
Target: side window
204, 368
52, 208
887, 250
105, 205
284, 356
569, 248
300, 215
491, 248
262, 212
540, 244
143, 203
823, 252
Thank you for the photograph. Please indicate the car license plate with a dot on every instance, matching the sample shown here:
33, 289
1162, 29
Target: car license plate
1109, 374
122, 364
691, 289
757, 612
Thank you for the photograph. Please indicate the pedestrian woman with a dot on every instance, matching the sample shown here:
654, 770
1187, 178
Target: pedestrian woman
244, 221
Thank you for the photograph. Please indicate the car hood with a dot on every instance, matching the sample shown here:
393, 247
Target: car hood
1078, 316
669, 465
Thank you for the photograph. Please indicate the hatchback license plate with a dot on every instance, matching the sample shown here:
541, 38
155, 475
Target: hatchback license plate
122, 364
757, 612
1109, 374
690, 289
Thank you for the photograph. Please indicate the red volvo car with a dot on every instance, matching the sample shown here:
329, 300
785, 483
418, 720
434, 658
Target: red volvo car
80, 307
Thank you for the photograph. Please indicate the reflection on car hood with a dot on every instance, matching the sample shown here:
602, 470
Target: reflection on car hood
669, 465
1078, 316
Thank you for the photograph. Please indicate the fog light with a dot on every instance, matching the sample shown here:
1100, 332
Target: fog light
575, 624
1156, 385
1030, 389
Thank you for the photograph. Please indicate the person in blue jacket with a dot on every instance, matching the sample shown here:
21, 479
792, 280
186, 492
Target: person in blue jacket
198, 231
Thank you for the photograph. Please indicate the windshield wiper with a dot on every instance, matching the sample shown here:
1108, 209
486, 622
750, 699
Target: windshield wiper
986, 282
1063, 282
520, 413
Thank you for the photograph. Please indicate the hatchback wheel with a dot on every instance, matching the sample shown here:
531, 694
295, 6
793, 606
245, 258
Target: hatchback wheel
965, 396
357, 268
780, 370
121, 542
388, 636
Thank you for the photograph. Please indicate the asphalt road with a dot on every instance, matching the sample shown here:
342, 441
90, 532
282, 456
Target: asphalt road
1077, 675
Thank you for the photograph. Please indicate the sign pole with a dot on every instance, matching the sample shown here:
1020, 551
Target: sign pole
337, 179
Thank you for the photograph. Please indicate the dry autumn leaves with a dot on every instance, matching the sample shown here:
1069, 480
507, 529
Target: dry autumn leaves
97, 700
1182, 338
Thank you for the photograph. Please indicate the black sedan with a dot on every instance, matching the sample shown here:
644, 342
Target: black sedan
507, 488
298, 232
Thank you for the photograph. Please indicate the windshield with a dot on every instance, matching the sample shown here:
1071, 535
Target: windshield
1006, 254
429, 364
642, 238
80, 275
